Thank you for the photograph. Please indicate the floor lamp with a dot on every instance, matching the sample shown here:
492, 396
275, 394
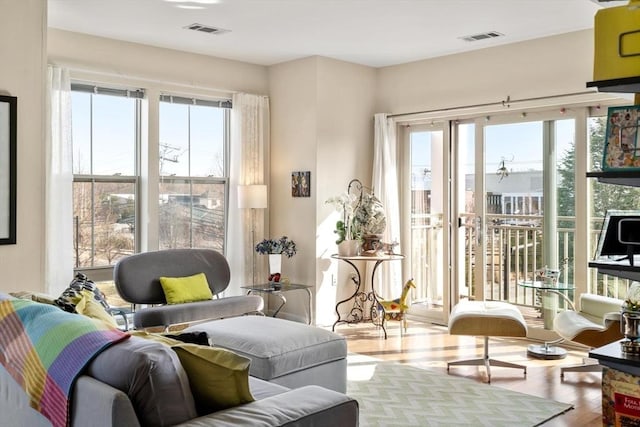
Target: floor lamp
252, 197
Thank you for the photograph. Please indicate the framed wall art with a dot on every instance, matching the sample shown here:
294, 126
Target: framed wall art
622, 139
301, 184
8, 129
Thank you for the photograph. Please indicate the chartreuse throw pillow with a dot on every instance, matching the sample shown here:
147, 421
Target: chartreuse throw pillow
88, 306
178, 290
219, 378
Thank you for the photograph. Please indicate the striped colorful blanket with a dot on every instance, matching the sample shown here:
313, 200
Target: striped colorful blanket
44, 349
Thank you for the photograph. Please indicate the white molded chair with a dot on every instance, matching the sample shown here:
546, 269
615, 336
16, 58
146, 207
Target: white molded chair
596, 324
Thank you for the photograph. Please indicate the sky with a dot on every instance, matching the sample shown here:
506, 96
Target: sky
518, 144
198, 132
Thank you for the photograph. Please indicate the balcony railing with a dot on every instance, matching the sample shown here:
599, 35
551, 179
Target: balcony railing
514, 252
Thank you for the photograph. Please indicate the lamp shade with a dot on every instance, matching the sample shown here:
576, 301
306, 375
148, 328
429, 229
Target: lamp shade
252, 196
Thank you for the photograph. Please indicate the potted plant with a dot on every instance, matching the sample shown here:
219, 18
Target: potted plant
275, 248
369, 221
347, 241
363, 220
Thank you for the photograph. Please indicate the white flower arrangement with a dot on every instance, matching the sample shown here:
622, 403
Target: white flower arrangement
632, 303
345, 204
362, 214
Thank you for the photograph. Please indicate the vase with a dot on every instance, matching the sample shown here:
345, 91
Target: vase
371, 243
275, 263
348, 247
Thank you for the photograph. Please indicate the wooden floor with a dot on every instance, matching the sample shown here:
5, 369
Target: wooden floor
430, 346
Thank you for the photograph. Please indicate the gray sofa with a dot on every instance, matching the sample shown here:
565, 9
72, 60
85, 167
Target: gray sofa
287, 353
138, 383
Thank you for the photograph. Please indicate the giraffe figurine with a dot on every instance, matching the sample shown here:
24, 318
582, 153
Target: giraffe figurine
395, 309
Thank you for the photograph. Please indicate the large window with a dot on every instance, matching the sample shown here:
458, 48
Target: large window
106, 134
194, 140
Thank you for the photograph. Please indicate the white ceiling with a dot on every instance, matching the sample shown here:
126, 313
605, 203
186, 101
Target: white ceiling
371, 32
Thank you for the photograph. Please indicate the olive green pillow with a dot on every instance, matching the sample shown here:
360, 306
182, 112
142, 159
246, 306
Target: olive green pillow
178, 290
219, 378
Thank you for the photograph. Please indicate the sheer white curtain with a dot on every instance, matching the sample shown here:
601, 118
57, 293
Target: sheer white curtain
389, 278
249, 165
58, 262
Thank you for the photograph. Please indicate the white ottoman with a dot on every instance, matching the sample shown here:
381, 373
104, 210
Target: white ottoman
288, 353
487, 318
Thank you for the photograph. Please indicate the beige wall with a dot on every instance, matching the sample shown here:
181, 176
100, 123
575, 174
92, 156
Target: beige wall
321, 121
548, 66
293, 102
107, 60
22, 74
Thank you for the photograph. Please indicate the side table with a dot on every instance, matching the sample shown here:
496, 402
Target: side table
359, 297
549, 293
277, 289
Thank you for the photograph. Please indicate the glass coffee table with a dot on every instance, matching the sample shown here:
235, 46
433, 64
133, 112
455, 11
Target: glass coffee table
549, 293
278, 289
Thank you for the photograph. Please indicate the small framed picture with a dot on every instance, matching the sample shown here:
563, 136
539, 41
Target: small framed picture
301, 184
622, 139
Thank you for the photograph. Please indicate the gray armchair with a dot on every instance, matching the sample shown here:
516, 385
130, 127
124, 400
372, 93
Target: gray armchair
137, 280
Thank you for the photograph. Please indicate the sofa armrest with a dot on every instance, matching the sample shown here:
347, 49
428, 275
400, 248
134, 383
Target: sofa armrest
14, 404
95, 403
173, 314
302, 407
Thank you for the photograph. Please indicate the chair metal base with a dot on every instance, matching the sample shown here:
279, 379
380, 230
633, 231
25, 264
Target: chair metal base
584, 367
487, 362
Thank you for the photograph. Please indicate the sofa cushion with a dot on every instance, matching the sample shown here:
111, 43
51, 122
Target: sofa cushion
275, 346
219, 378
178, 290
151, 375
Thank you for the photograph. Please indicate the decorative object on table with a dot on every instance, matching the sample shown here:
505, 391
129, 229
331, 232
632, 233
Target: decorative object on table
630, 313
363, 218
548, 275
388, 248
395, 309
301, 184
622, 139
275, 248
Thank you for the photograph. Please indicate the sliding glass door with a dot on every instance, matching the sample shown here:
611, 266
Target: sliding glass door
425, 147
483, 195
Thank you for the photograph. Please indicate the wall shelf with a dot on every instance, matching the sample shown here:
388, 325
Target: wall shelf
622, 268
622, 177
622, 85
617, 270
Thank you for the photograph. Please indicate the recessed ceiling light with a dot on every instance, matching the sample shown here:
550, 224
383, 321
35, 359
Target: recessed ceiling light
186, 6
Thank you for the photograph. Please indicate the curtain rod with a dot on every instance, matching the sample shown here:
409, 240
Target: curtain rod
88, 72
505, 103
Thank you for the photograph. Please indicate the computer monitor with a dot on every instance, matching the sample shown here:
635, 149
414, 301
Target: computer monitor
620, 235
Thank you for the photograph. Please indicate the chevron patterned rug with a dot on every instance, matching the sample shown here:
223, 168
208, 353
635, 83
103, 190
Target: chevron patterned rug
394, 395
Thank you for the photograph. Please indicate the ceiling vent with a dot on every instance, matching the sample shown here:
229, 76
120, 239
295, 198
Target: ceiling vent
206, 29
482, 36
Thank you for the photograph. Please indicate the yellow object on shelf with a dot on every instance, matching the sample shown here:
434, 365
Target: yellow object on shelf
617, 42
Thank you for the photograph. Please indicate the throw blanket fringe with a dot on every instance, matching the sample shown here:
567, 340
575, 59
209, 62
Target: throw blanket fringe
45, 349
